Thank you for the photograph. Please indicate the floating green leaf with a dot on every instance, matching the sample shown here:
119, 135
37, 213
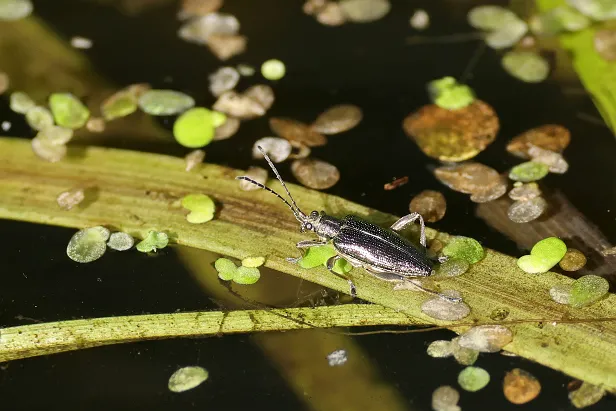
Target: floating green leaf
154, 240
68, 111
596, 9
527, 66
201, 208
88, 245
121, 104
448, 94
464, 248
55, 135
39, 118
246, 275
226, 269
195, 127
11, 10
253, 261
20, 102
587, 290
316, 256
120, 241
473, 378
187, 378
529, 171
543, 256
453, 267
490, 17
273, 69
165, 102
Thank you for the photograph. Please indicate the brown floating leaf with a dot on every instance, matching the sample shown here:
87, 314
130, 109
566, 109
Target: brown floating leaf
550, 137
303, 150
520, 386
262, 94
453, 135
605, 44
338, 119
573, 260
315, 174
468, 178
225, 46
227, 129
491, 194
294, 130
311, 7
524, 192
238, 105
192, 8
430, 204
331, 15
396, 183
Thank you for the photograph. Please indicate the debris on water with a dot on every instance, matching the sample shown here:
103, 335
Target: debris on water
440, 349
445, 398
187, 378
262, 94
499, 314
165, 102
223, 79
47, 151
239, 105
227, 129
464, 248
331, 15
473, 378
453, 135
486, 338
256, 173
550, 137
154, 241
226, 269
201, 29
195, 127
435, 246
561, 293
608, 251
526, 211
337, 358
82, 43
496, 191
315, 174
524, 192
68, 111
605, 44
70, 198
595, 9
303, 151
555, 161
587, 395
120, 241
463, 355
529, 171
504, 28
453, 267
246, 275
39, 118
420, 20
12, 10
441, 309
528, 66
364, 11
225, 46
587, 290
95, 125
253, 262
573, 260
245, 70
520, 386
88, 245
192, 8
20, 102
273, 69
6, 125
544, 255
55, 135
194, 158
120, 104
468, 178
294, 130
558, 20
396, 183
430, 204
338, 119
448, 94
311, 7
201, 208
277, 149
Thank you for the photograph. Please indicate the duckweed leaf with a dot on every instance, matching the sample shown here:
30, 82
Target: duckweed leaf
120, 241
527, 66
154, 240
465, 248
473, 378
88, 245
316, 256
543, 256
273, 69
587, 290
529, 171
165, 102
201, 206
20, 102
12, 10
68, 111
253, 261
195, 127
226, 269
246, 275
39, 118
187, 378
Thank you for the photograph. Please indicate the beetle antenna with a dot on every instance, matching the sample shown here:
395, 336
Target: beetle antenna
250, 180
280, 179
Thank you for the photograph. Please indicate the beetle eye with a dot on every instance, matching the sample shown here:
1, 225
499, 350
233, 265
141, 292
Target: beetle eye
314, 214
308, 226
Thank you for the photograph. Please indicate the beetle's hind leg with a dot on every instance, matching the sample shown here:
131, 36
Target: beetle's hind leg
330, 266
306, 244
409, 219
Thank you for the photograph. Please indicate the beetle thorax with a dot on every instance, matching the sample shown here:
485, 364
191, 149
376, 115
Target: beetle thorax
327, 226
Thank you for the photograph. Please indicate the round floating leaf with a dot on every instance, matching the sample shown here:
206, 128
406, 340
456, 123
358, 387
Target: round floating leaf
550, 137
440, 349
315, 174
430, 204
445, 398
442, 309
464, 248
473, 378
364, 11
338, 119
596, 9
120, 241
453, 267
529, 171
527, 66
39, 118
543, 256
165, 102
194, 128
88, 244
587, 290
463, 355
224, 79
486, 338
201, 208
120, 104
187, 378
277, 149
527, 210
507, 36
253, 261
573, 260
468, 178
297, 131
11, 10
47, 151
246, 275
55, 135
520, 386
316, 256
226, 269
20, 102
490, 17
68, 111
273, 69
153, 241
257, 174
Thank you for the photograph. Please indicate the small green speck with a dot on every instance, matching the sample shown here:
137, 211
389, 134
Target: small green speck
153, 241
473, 378
464, 248
529, 171
273, 69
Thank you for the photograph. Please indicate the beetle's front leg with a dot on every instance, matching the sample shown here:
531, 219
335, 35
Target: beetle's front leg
330, 266
409, 219
306, 244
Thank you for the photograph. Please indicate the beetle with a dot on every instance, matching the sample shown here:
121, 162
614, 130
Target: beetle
382, 252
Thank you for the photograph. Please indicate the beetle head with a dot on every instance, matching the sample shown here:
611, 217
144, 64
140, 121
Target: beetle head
311, 222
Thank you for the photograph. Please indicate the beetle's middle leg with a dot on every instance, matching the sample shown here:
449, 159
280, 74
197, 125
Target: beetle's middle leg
330, 266
306, 244
409, 219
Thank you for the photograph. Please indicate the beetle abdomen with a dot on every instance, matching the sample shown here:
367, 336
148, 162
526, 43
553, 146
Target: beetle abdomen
380, 248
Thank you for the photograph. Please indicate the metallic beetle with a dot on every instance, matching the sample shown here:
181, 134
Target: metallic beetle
380, 251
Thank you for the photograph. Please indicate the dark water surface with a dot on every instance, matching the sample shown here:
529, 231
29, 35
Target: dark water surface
367, 65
